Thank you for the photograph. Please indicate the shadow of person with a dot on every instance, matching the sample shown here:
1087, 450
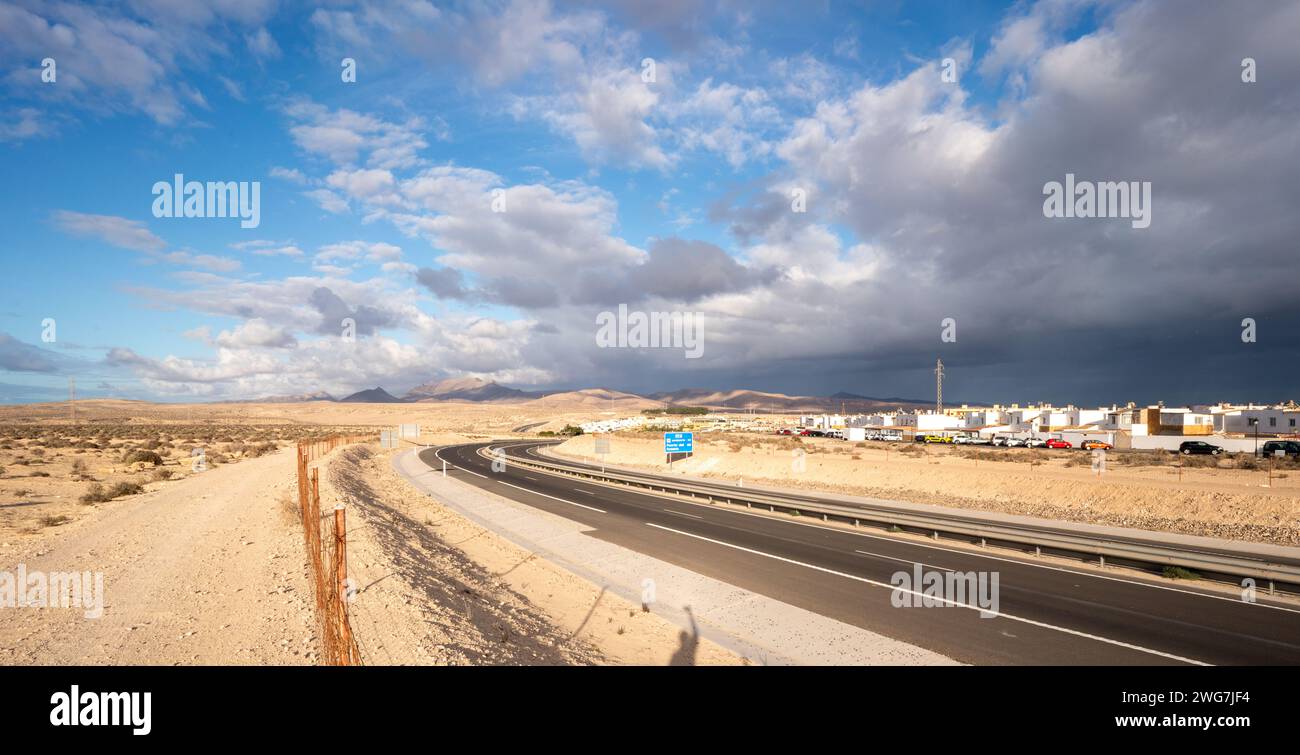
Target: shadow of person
690, 643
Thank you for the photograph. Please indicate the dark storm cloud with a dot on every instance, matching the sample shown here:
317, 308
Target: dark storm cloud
17, 356
674, 270
334, 310
444, 283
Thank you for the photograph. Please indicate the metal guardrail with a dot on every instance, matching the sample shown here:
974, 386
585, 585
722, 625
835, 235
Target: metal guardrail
1225, 561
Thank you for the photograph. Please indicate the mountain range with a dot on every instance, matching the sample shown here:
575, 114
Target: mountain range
477, 390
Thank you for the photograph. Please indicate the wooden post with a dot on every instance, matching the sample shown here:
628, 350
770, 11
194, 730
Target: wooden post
341, 570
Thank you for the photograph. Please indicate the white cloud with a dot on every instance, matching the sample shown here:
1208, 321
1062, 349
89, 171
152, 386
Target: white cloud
118, 231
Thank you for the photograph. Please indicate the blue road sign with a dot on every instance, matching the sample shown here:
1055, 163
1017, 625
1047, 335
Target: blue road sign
679, 443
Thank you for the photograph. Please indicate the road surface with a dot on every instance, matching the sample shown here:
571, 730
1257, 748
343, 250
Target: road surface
1047, 614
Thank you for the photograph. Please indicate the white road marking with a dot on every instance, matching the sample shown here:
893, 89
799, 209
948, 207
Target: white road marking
679, 513
999, 614
561, 500
904, 560
438, 455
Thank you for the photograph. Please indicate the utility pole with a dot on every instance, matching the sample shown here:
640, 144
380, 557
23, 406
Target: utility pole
938, 387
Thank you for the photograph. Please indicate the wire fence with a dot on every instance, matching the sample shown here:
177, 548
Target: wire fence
327, 547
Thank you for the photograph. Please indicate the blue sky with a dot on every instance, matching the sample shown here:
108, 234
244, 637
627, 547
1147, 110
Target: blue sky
667, 195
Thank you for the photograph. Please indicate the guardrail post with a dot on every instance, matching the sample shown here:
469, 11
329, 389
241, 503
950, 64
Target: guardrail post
1102, 561
1038, 550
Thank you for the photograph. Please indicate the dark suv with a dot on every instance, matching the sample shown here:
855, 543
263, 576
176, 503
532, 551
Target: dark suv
1189, 447
1287, 447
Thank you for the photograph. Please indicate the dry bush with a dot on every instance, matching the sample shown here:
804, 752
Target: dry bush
98, 493
145, 456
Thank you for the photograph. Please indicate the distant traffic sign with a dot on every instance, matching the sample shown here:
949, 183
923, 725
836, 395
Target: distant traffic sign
679, 443
602, 445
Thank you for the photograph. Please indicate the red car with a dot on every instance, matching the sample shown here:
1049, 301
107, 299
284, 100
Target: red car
1058, 443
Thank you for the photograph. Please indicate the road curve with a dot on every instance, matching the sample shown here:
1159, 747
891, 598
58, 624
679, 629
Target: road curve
1046, 614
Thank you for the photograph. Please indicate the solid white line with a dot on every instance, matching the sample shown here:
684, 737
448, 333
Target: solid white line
958, 551
679, 513
561, 500
904, 560
438, 455
999, 614
585, 492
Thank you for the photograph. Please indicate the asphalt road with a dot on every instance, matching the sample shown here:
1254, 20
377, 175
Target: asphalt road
1046, 614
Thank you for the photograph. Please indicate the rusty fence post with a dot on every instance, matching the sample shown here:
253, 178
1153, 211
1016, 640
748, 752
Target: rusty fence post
341, 574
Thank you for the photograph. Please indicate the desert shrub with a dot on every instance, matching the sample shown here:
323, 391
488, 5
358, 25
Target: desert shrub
145, 456
162, 474
979, 454
259, 449
1178, 572
39, 474
54, 521
98, 493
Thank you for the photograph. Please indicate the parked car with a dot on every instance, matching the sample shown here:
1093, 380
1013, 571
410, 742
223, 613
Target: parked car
873, 436
1058, 443
1017, 442
1095, 445
1000, 440
1189, 447
980, 440
1287, 447
938, 439
1035, 443
963, 440
891, 437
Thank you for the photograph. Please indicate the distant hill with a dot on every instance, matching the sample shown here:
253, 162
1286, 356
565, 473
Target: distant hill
373, 396
468, 389
472, 389
759, 401
293, 399
596, 398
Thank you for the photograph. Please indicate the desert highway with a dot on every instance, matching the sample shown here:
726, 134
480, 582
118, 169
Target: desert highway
1048, 613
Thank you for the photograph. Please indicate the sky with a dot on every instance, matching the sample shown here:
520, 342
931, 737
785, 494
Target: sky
837, 193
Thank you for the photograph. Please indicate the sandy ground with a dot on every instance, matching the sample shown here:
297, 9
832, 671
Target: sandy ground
437, 588
466, 417
209, 570
1224, 503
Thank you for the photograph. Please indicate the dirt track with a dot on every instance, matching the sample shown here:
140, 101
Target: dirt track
209, 570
